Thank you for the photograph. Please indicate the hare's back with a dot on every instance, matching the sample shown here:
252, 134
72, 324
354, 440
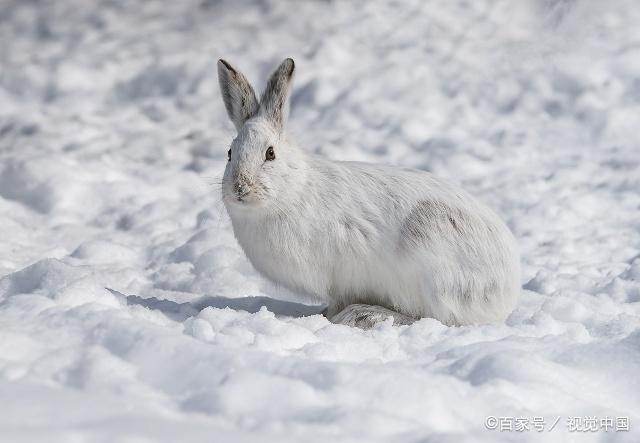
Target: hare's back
424, 210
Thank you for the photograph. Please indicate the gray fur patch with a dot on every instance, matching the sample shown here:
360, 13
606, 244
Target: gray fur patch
453, 223
428, 220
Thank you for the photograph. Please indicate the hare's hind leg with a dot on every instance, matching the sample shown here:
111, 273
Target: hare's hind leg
366, 316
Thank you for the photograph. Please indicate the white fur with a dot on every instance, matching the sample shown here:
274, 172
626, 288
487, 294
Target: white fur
349, 233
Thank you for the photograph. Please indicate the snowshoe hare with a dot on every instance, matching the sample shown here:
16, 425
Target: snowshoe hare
371, 241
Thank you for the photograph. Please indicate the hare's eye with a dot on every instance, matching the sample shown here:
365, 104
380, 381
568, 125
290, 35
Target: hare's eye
270, 154
229, 154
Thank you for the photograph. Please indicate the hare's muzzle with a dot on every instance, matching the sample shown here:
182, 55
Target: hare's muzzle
241, 188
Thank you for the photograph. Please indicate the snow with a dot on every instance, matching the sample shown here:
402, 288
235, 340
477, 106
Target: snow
113, 139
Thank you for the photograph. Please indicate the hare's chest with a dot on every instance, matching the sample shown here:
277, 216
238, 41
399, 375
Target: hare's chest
284, 254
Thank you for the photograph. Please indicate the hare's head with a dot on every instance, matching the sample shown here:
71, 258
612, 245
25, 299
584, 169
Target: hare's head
261, 161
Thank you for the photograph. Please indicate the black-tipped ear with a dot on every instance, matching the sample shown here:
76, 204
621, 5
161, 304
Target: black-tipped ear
237, 93
274, 103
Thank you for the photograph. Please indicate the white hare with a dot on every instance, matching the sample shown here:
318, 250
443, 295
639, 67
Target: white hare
371, 241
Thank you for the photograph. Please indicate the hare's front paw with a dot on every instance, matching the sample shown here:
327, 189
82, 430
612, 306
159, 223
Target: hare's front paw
366, 316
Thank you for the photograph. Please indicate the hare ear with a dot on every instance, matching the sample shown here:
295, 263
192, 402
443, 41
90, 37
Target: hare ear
274, 103
237, 93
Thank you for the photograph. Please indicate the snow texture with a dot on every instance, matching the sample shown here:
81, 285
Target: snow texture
113, 139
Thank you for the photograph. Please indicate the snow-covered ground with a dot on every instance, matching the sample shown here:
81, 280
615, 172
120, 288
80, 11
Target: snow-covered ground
113, 139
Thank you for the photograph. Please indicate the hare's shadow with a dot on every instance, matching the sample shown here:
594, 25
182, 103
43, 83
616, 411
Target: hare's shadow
181, 311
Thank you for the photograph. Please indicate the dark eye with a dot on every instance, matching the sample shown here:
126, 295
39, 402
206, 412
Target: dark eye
270, 154
229, 154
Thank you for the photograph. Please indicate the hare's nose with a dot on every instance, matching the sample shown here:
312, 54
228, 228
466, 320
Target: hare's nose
241, 189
